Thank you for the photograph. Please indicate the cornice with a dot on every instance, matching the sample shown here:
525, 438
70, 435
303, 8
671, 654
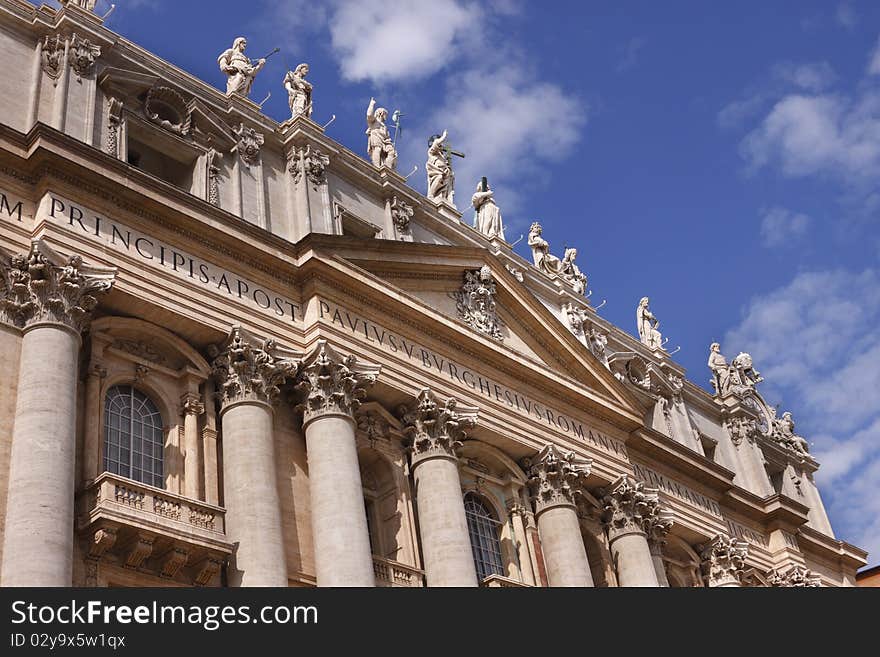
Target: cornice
830, 548
663, 449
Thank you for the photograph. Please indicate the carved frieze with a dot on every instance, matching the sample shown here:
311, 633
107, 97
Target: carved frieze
475, 302
42, 286
82, 56
248, 369
333, 384
249, 143
140, 349
628, 506
310, 162
213, 176
723, 560
555, 477
401, 215
436, 429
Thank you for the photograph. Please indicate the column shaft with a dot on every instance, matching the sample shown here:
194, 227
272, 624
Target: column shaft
522, 547
38, 537
253, 512
192, 463
565, 556
635, 567
343, 556
660, 570
446, 544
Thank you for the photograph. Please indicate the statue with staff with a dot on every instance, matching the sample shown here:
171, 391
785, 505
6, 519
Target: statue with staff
380, 147
441, 179
487, 219
239, 68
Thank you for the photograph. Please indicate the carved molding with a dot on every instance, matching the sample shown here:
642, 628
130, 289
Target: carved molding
475, 302
656, 523
213, 177
82, 56
173, 561
435, 429
249, 143
312, 162
42, 286
192, 404
249, 369
628, 506
114, 121
401, 215
555, 477
333, 384
723, 560
168, 109
51, 55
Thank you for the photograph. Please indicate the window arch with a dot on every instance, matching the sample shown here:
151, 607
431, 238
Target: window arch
133, 436
483, 528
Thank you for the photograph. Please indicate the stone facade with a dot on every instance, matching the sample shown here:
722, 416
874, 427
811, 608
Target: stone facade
326, 392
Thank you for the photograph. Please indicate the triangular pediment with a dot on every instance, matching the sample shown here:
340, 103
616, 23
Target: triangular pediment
434, 279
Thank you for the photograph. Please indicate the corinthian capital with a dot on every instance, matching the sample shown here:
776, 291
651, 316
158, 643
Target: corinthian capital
555, 476
627, 507
656, 525
333, 384
436, 429
249, 369
43, 286
723, 560
796, 577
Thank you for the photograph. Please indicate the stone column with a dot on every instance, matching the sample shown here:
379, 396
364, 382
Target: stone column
192, 407
93, 462
657, 525
626, 507
517, 511
436, 431
51, 299
249, 373
554, 478
723, 560
334, 386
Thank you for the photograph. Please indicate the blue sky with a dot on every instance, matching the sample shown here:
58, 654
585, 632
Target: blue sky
721, 158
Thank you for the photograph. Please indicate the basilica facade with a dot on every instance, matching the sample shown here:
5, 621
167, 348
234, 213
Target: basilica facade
238, 353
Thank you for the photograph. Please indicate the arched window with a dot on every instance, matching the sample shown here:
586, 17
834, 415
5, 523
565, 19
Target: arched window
483, 529
133, 436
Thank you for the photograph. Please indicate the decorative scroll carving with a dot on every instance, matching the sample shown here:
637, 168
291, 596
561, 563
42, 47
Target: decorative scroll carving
44, 287
139, 550
207, 569
173, 561
723, 560
742, 428
436, 429
516, 273
249, 369
51, 54
401, 215
475, 302
333, 384
213, 176
555, 477
102, 540
628, 506
82, 56
249, 143
167, 109
312, 162
191, 404
114, 120
796, 577
656, 523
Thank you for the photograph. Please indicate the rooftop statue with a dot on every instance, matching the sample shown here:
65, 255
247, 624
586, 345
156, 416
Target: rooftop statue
441, 180
88, 5
299, 91
487, 219
379, 145
240, 69
738, 377
782, 431
647, 324
565, 269
720, 369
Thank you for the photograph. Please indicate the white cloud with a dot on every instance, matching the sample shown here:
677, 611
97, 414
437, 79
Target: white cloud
815, 342
398, 39
780, 227
814, 77
874, 60
508, 126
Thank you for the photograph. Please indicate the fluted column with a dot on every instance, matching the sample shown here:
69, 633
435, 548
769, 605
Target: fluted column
554, 479
192, 407
333, 386
51, 299
436, 431
249, 373
626, 506
723, 560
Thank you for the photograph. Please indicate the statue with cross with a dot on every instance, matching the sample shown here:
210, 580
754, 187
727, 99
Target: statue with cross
441, 179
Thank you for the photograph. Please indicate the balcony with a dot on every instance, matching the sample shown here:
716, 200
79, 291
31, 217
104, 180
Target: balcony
499, 581
392, 573
152, 531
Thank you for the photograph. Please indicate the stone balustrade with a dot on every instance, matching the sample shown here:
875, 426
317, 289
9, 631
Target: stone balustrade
395, 574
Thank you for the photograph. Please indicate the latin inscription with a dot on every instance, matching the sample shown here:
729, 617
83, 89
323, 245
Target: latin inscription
676, 490
170, 259
466, 377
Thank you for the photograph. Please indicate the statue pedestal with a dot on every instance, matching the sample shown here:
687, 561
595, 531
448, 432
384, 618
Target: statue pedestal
448, 210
